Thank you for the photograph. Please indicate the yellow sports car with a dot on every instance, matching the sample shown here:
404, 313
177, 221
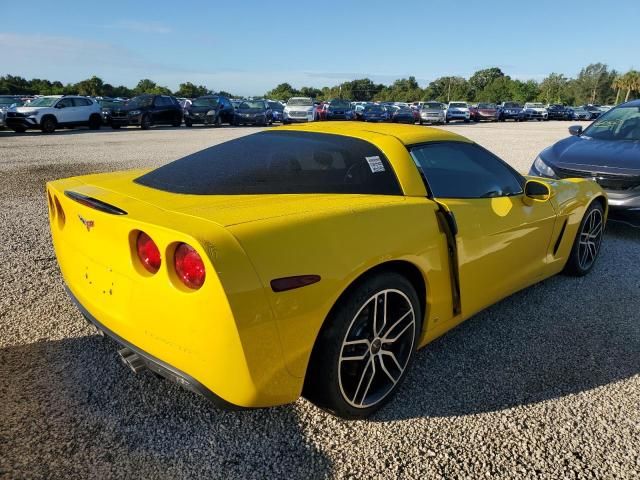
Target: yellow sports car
311, 260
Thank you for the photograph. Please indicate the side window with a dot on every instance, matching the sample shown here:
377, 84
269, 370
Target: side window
66, 102
81, 102
465, 170
158, 102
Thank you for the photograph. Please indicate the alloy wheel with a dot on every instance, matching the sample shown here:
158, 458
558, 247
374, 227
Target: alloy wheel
590, 238
376, 348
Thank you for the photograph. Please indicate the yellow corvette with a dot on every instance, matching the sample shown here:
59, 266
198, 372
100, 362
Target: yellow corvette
311, 260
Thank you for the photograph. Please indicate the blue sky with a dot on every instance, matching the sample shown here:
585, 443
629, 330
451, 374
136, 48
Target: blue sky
248, 47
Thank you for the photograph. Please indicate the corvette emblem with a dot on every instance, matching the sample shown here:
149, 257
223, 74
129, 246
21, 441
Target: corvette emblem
87, 223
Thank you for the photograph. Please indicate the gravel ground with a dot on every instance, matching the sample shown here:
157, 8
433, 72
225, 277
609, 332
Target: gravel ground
544, 384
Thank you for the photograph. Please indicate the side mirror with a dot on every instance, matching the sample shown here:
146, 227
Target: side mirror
575, 130
536, 191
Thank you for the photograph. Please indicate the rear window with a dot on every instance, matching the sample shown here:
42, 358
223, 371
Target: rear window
279, 162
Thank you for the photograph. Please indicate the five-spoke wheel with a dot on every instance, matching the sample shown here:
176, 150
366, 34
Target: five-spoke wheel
586, 246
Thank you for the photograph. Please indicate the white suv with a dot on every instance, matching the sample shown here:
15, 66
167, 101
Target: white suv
457, 111
51, 112
299, 109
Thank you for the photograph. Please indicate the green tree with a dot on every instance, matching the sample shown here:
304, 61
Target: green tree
553, 89
447, 89
524, 91
284, 91
594, 83
480, 79
92, 87
148, 86
189, 90
498, 90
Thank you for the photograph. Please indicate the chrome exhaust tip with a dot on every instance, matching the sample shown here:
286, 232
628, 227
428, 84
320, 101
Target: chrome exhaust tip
132, 360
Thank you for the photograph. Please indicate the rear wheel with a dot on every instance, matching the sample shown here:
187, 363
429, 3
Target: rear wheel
115, 126
177, 121
366, 347
145, 122
218, 122
586, 245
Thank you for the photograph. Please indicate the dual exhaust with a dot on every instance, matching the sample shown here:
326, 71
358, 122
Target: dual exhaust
132, 360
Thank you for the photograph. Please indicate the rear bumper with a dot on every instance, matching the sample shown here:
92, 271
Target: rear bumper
154, 364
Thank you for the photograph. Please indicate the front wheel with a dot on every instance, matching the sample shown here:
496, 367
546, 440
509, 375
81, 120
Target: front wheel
48, 125
145, 123
365, 347
586, 245
95, 122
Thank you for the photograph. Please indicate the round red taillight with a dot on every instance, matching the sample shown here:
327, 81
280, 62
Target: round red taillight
189, 266
148, 253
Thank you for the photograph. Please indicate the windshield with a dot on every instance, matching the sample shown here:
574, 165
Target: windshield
251, 104
487, 106
276, 106
512, 105
110, 103
10, 101
432, 106
458, 105
301, 102
621, 123
373, 108
141, 101
205, 102
43, 102
339, 104
534, 105
288, 162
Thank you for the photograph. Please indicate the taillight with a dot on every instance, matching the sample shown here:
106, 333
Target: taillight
148, 253
189, 266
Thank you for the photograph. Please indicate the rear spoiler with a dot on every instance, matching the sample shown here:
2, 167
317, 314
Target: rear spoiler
94, 203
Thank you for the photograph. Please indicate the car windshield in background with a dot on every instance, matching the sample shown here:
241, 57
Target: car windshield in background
205, 102
373, 108
535, 105
486, 106
251, 105
339, 104
141, 101
110, 103
300, 102
622, 123
9, 101
276, 106
459, 105
285, 162
43, 102
432, 106
512, 105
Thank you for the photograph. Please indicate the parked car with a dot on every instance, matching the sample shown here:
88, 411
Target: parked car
402, 115
338, 109
484, 112
277, 110
299, 109
535, 111
607, 151
148, 110
373, 113
253, 112
510, 111
6, 102
579, 113
594, 110
310, 262
50, 112
457, 111
557, 111
209, 110
432, 112
107, 105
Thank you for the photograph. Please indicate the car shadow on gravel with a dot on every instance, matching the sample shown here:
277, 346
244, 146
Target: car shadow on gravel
560, 337
70, 409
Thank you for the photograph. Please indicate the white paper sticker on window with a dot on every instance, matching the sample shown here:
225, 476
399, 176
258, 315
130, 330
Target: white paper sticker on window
375, 164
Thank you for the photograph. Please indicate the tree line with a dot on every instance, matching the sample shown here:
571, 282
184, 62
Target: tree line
595, 83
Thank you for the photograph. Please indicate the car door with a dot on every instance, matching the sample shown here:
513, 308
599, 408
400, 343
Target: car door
502, 240
64, 111
81, 110
159, 110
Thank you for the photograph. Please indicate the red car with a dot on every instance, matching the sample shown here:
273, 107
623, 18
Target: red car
320, 111
484, 111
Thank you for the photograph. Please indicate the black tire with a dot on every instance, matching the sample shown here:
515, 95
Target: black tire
115, 127
145, 122
48, 124
187, 123
95, 122
218, 122
19, 129
583, 255
330, 379
421, 123
466, 120
447, 120
177, 121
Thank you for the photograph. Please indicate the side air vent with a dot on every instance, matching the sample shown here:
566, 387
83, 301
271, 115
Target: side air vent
94, 203
557, 245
